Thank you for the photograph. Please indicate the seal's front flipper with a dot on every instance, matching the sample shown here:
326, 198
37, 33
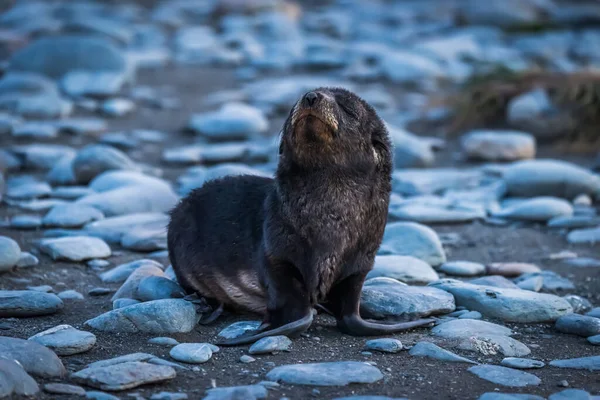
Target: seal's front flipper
291, 329
356, 326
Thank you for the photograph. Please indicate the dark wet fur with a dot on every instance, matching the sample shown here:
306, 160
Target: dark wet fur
281, 246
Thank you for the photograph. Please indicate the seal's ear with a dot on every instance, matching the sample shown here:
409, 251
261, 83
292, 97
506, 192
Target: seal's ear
382, 147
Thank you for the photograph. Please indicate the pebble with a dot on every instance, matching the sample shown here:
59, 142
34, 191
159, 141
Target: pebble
534, 284
93, 395
595, 340
511, 269
270, 344
580, 325
80, 83
26, 222
27, 260
70, 295
98, 264
234, 121
71, 216
100, 291
15, 381
169, 396
130, 287
413, 239
384, 298
10, 252
192, 353
117, 107
246, 359
471, 315
430, 350
594, 312
461, 328
75, 248
62, 388
522, 363
574, 222
237, 392
462, 268
28, 303
339, 373
237, 329
158, 287
591, 363
164, 341
123, 376
36, 359
506, 304
552, 281
494, 281
120, 303
538, 209
580, 305
571, 394
584, 236
65, 340
499, 145
505, 376
583, 262
28, 190
36, 131
92, 160
384, 345
406, 269
121, 272
156, 317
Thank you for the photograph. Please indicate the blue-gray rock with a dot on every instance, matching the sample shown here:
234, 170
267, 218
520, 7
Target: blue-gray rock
117, 107
535, 283
584, 236
61, 172
499, 145
410, 151
574, 222
95, 159
271, 344
156, 317
506, 304
494, 344
505, 376
583, 262
36, 130
237, 329
462, 268
129, 289
471, 315
36, 359
28, 190
409, 66
70, 295
234, 121
430, 350
195, 177
93, 395
403, 268
145, 239
158, 287
387, 299
339, 373
169, 396
384, 345
113, 229
41, 156
522, 363
494, 281
580, 304
192, 353
71, 192
100, 291
461, 328
571, 394
236, 392
14, 380
123, 376
246, 359
81, 125
99, 84
65, 340
538, 209
62, 388
594, 312
436, 212
27, 260
528, 106
75, 248
56, 56
591, 363
413, 239
10, 252
124, 302
121, 272
164, 341
580, 325
550, 178
28, 303
509, 396
595, 340
552, 281
118, 178
25, 221
71, 216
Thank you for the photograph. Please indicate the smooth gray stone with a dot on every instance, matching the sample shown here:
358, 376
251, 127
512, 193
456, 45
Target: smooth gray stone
41, 156
388, 299
195, 177
98, 264
124, 302
509, 396
571, 394
339, 373
70, 295
28, 303
494, 281
462, 268
522, 363
384, 345
122, 359
71, 216
494, 344
95, 159
539, 209
27, 260
192, 353
534, 284
93, 395
28, 190
581, 325
595, 340
594, 312
234, 121
41, 288
114, 179
591, 363
117, 107
549, 178
237, 329
82, 125
144, 239
506, 304
410, 151
574, 222
169, 396
124, 376
583, 262
413, 239
101, 84
65, 340
164, 341
461, 328
9, 253
75, 248
158, 287
120, 273
436, 212
471, 315
430, 350
246, 359
36, 359
236, 392
61, 388
270, 344
589, 236
129, 289
403, 268
36, 130
61, 173
25, 222
157, 317
552, 281
15, 381
505, 376
71, 192
498, 145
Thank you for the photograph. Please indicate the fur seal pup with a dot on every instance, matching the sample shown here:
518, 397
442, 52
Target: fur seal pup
281, 246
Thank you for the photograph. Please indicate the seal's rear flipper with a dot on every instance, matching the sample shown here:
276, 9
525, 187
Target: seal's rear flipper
291, 329
212, 317
356, 326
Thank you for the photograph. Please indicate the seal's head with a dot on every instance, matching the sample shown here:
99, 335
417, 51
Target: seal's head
333, 126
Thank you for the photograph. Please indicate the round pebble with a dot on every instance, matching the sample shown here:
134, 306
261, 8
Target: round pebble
385, 345
192, 353
522, 363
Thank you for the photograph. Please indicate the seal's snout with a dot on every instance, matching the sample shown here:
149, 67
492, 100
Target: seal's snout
311, 99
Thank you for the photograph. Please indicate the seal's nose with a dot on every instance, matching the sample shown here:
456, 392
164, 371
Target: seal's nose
311, 98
